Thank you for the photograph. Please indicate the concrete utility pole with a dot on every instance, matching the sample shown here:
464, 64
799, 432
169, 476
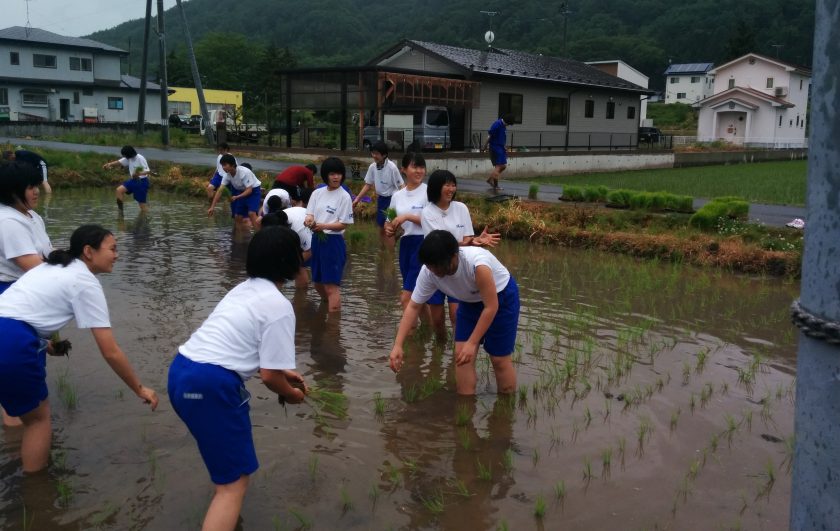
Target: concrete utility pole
141, 108
815, 500
202, 103
164, 94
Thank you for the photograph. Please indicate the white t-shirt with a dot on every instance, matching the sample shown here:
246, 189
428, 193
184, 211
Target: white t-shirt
297, 215
462, 284
456, 219
241, 179
385, 181
330, 206
276, 192
219, 169
20, 235
410, 202
252, 327
138, 161
49, 296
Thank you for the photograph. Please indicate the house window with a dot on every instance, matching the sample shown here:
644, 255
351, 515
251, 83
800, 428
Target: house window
610, 110
731, 82
557, 111
81, 63
87, 92
76, 97
797, 120
695, 79
115, 103
769, 82
4, 96
680, 95
675, 80
800, 84
780, 121
631, 113
40, 60
34, 99
511, 104
589, 109
182, 107
14, 58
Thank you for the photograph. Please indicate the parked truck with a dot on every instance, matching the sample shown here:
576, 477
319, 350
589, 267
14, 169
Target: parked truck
418, 128
235, 130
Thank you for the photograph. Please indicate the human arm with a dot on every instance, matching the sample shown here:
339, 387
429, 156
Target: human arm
410, 315
28, 261
248, 191
487, 289
282, 383
119, 363
215, 200
361, 194
334, 226
111, 164
392, 226
485, 239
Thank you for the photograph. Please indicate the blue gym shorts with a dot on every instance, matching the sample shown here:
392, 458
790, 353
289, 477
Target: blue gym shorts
500, 339
5, 285
382, 204
410, 260
328, 258
139, 188
252, 203
23, 368
498, 155
216, 180
213, 403
440, 297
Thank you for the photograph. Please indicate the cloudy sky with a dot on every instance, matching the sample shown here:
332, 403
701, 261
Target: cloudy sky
74, 18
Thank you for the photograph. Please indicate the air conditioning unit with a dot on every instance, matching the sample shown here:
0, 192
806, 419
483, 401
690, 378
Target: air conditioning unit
781, 91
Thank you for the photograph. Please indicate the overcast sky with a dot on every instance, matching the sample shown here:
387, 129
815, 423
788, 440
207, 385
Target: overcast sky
74, 18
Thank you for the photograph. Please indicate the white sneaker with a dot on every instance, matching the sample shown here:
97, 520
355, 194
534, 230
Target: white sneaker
796, 223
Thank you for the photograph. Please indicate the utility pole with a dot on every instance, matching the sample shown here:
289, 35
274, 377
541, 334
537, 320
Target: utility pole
202, 103
564, 12
815, 496
164, 95
141, 107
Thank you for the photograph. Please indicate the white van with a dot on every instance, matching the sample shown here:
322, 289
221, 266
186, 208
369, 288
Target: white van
431, 129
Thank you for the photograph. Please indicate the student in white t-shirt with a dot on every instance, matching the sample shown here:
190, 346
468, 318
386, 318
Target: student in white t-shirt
294, 217
444, 213
250, 332
39, 304
283, 198
329, 212
216, 179
245, 191
24, 243
385, 178
488, 312
138, 177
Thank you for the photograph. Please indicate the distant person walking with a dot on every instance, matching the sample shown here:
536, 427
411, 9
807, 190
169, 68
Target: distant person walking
496, 140
294, 178
138, 177
33, 159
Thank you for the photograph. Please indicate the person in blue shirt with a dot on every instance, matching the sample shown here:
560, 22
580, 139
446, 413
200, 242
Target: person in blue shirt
496, 140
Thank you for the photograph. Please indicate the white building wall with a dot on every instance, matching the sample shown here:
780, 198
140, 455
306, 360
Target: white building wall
415, 60
694, 92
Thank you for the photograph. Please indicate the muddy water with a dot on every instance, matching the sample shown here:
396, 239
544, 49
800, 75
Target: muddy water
651, 395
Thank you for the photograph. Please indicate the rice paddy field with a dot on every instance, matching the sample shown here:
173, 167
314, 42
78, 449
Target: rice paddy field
650, 396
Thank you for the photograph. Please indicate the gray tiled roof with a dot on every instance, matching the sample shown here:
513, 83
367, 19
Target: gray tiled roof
523, 65
689, 68
134, 83
35, 35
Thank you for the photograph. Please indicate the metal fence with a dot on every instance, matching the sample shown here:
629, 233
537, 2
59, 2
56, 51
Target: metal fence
759, 142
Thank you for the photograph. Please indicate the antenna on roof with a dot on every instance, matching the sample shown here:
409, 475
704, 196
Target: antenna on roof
489, 36
28, 24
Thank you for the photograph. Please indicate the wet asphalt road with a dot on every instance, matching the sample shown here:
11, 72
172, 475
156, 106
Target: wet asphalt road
771, 215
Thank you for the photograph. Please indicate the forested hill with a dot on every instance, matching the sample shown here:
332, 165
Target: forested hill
648, 34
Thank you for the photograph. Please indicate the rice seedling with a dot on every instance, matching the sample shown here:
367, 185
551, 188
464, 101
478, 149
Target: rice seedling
622, 446
790, 446
731, 428
66, 390
692, 403
560, 491
485, 473
461, 489
410, 394
705, 395
99, 518
686, 373
533, 190
304, 521
463, 415
411, 466
535, 456
346, 502
59, 460
587, 469
430, 386
507, 460
747, 419
766, 412
464, 439
324, 401
713, 442
684, 489
701, 360
313, 467
532, 414
660, 385
643, 433
65, 493
607, 406
523, 394
575, 431
675, 418
276, 523
503, 526
373, 493
539, 506
724, 388
745, 504
693, 469
394, 475
378, 405
434, 503
769, 481
606, 462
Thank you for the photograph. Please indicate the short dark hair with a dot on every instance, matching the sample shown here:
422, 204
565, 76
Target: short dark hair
223, 146
83, 236
275, 218
313, 168
436, 181
247, 165
305, 194
274, 203
413, 157
438, 248
229, 159
508, 118
380, 147
332, 165
274, 254
128, 152
15, 178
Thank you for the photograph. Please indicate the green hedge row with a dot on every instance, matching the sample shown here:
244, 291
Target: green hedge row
632, 199
728, 207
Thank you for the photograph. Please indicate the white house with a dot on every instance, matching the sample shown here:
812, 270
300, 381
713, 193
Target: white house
620, 69
49, 77
688, 83
757, 101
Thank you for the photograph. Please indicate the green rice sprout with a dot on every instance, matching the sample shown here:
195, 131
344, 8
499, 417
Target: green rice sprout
503, 526
485, 473
390, 213
313, 467
701, 360
713, 443
535, 456
507, 460
606, 462
411, 394
378, 405
769, 481
686, 373
587, 469
66, 390
731, 428
324, 401
523, 394
434, 503
411, 466
539, 506
675, 418
560, 491
464, 438
461, 489
346, 502
304, 521
622, 447
373, 493
65, 493
790, 446
643, 433
463, 415
693, 469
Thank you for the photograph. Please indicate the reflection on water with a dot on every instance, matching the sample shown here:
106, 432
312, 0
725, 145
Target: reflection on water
608, 347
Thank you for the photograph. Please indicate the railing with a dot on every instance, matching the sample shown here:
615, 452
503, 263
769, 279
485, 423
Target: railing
762, 142
522, 140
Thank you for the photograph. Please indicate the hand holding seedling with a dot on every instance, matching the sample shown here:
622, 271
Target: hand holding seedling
465, 352
148, 396
395, 360
299, 388
59, 348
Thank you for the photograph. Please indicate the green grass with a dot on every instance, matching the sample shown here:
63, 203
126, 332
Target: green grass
673, 118
765, 182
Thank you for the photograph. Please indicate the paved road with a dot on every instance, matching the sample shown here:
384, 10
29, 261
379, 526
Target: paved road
771, 215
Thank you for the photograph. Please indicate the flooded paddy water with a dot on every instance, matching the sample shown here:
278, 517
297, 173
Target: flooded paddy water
650, 396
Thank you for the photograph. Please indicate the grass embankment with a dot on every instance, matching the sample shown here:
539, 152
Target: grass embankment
777, 183
673, 118
732, 245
